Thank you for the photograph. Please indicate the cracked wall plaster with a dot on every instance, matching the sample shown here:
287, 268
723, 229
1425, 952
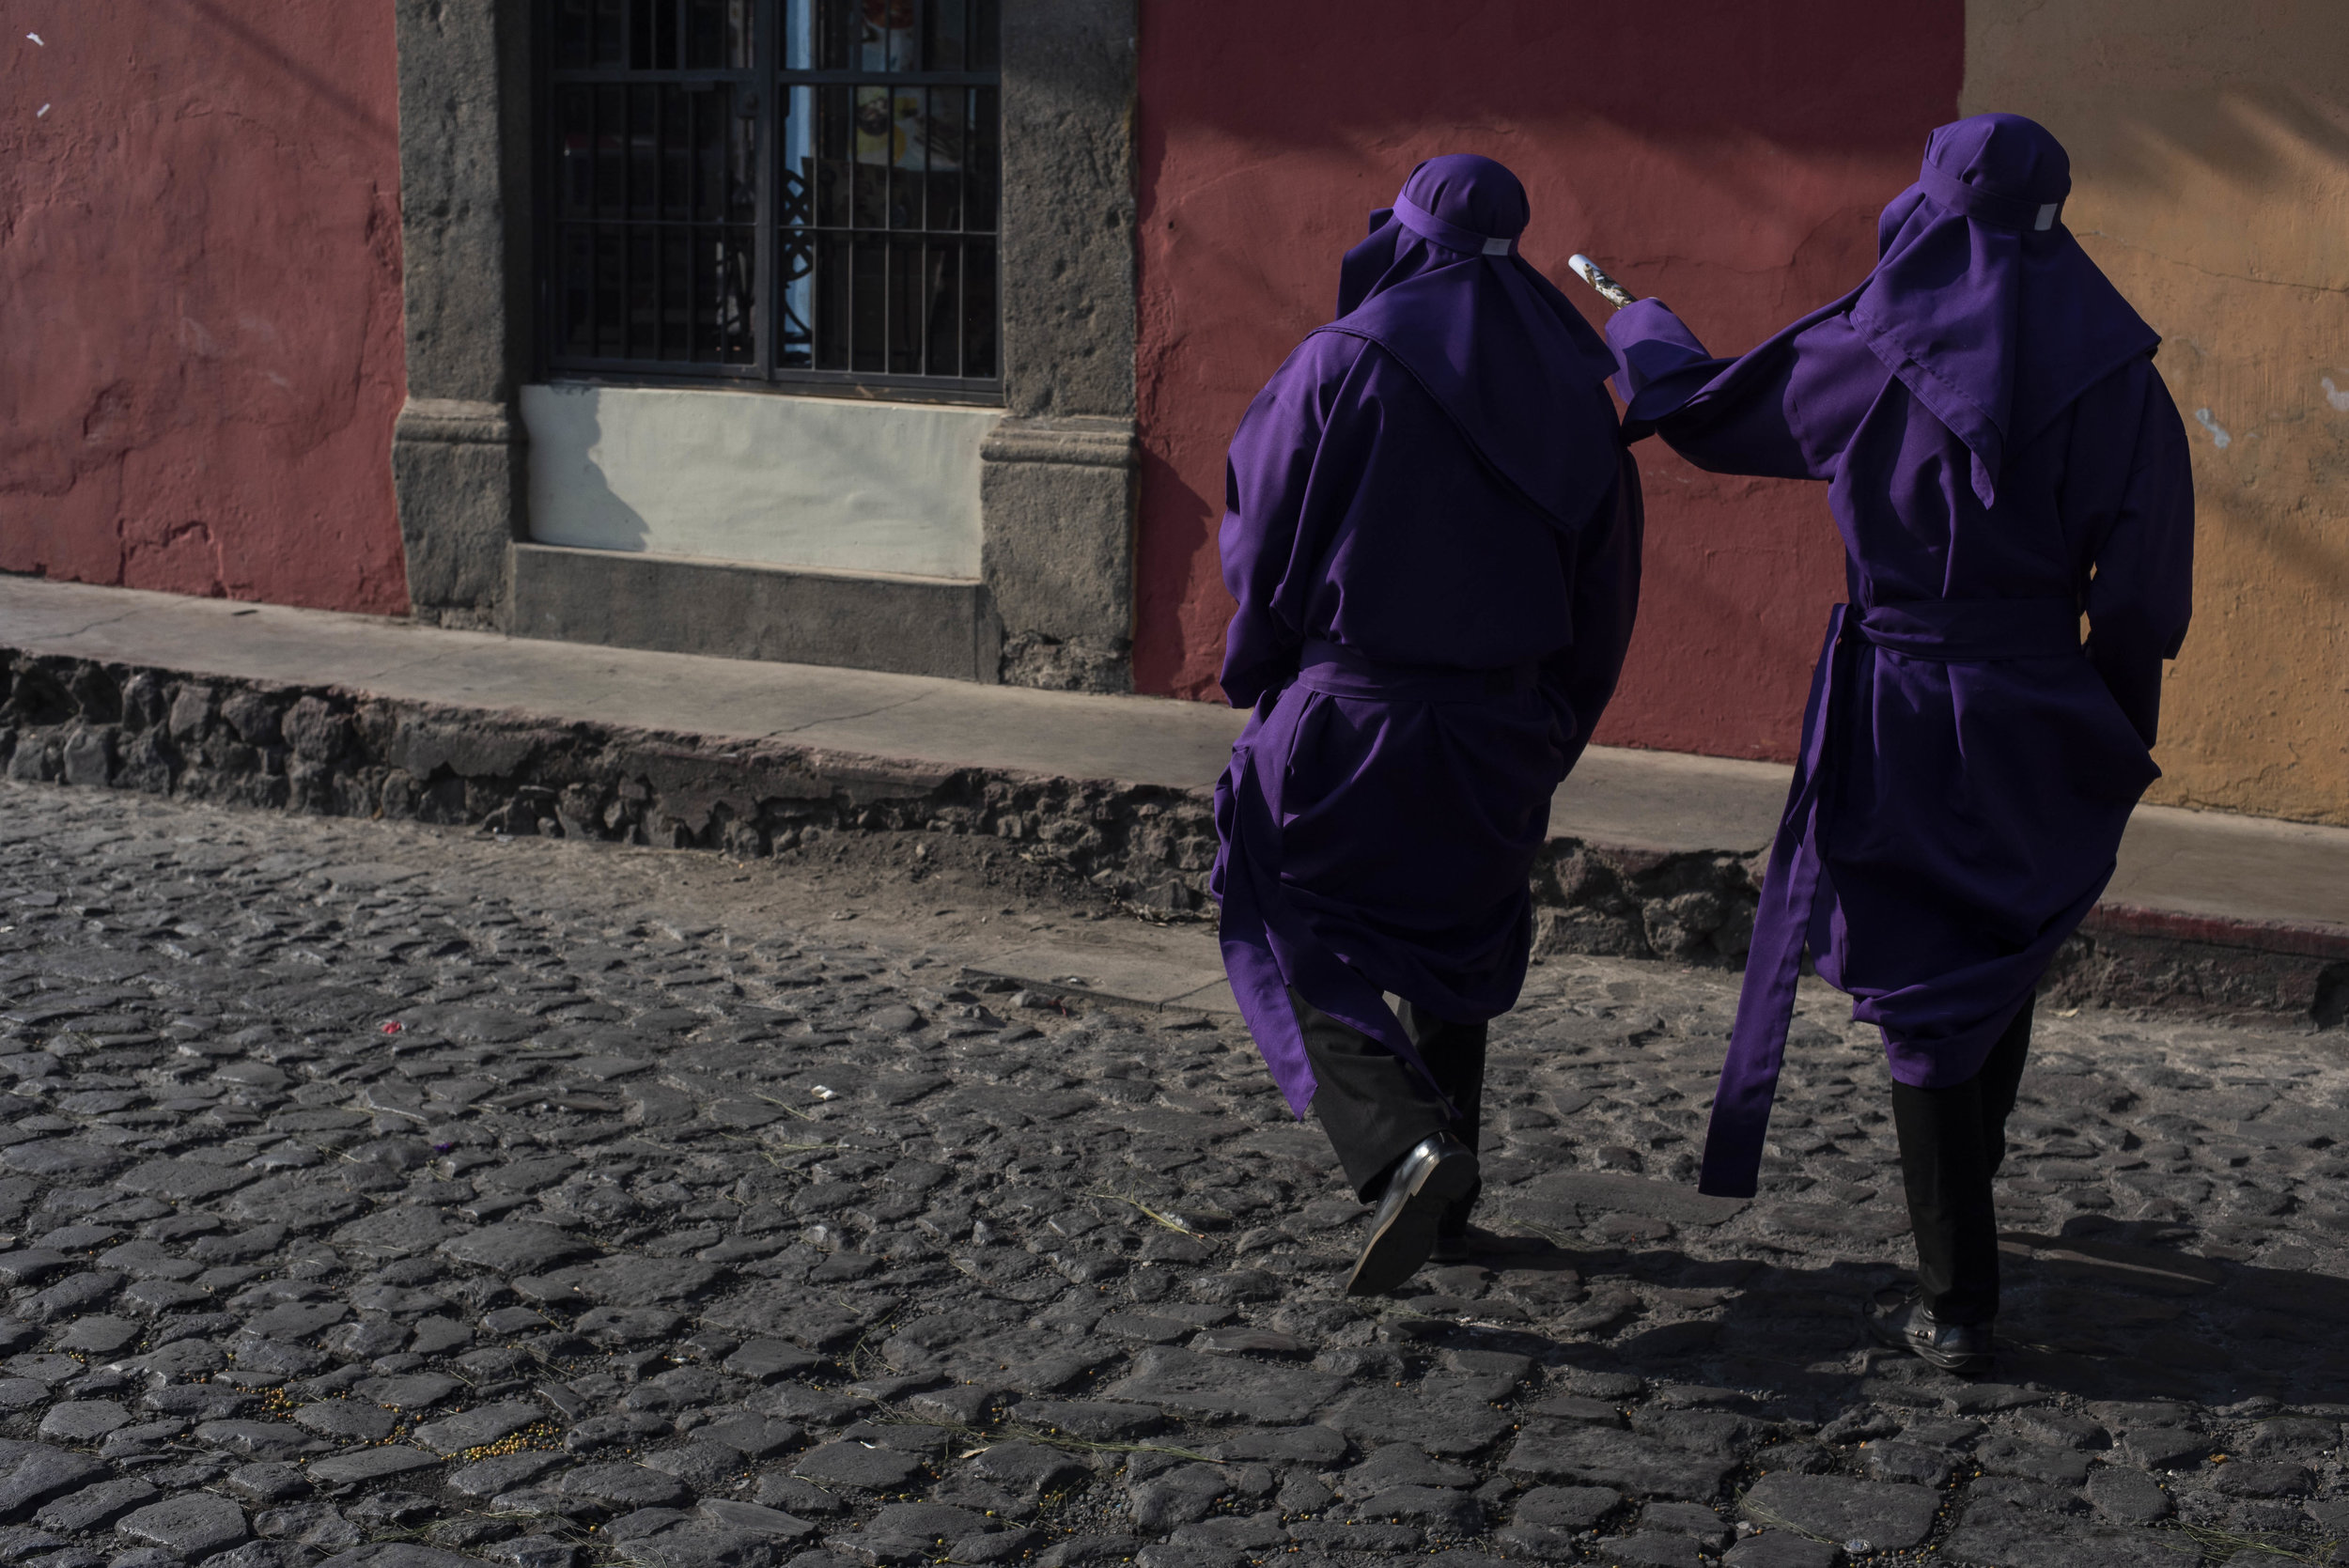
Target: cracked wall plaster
203, 232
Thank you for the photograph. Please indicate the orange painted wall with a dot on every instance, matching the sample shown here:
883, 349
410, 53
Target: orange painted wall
2210, 159
199, 256
1729, 157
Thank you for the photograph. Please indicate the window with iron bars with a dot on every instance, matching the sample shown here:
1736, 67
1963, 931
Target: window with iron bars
795, 191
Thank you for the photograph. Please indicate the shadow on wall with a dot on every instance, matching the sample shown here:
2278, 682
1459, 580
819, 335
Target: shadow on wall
2278, 267
2210, 155
567, 481
1174, 550
221, 21
2252, 137
1796, 74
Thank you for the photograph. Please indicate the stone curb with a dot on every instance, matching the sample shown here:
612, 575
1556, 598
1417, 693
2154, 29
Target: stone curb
2311, 940
330, 749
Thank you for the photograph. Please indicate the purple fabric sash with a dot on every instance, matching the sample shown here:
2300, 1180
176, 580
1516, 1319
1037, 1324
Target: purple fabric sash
1450, 234
1337, 671
1987, 207
1946, 631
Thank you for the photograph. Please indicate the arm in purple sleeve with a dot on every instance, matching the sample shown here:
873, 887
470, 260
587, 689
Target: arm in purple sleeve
1582, 677
1726, 416
1282, 493
1658, 357
2143, 593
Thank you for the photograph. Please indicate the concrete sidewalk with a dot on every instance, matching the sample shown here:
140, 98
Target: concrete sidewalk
1648, 799
1652, 850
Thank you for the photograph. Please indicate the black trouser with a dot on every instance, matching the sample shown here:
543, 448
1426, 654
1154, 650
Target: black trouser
1951, 1141
1375, 1108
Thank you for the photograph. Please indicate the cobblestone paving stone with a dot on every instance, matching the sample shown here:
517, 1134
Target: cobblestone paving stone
397, 1199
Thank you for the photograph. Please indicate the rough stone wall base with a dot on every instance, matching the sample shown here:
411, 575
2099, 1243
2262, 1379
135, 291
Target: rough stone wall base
327, 750
1695, 907
2107, 963
1094, 664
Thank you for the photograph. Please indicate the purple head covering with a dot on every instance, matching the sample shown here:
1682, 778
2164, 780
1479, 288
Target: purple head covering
1439, 285
1982, 302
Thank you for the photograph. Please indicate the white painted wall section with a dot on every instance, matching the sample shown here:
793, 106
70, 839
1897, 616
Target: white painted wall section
816, 482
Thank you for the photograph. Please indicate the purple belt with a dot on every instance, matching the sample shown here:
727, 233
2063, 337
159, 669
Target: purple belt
1951, 631
1335, 669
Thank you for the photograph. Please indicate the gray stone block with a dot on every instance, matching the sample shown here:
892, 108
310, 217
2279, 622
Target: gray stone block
849, 1464
1069, 160
475, 1428
268, 1483
1626, 1460
32, 1473
83, 1420
621, 1485
1993, 1536
2126, 1496
369, 1465
466, 156
1887, 1517
487, 1478
399, 1554
756, 1519
1649, 1550
730, 609
458, 470
1058, 500
1029, 1469
534, 1551
96, 1507
1194, 1384
192, 1525
1782, 1548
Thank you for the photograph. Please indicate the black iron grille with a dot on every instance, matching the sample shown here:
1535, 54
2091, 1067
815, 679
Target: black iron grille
789, 190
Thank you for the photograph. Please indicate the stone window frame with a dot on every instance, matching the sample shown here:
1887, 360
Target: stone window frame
1053, 605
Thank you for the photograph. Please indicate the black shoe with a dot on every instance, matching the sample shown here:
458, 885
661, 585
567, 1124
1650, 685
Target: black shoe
1438, 1170
1451, 1232
1902, 1320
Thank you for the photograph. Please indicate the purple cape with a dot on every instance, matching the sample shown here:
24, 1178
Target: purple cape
1432, 532
2001, 457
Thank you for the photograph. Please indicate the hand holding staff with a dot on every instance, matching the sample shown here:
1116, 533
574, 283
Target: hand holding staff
1588, 270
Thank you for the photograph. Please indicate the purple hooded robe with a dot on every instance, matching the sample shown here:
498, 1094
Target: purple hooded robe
2001, 457
1433, 532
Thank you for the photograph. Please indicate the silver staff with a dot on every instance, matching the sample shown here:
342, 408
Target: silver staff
1588, 270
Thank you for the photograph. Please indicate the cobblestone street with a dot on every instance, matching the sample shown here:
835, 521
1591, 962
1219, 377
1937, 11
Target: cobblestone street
379, 1193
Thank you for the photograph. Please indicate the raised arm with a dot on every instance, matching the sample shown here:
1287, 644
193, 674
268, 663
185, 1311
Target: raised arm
1728, 416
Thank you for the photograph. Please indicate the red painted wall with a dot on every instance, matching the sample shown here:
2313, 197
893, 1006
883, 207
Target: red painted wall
199, 256
1728, 155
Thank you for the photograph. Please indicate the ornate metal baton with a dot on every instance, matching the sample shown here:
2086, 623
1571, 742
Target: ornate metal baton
1588, 270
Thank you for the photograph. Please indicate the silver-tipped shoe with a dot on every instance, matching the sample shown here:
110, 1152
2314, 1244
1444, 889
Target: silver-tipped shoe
1438, 1171
1901, 1319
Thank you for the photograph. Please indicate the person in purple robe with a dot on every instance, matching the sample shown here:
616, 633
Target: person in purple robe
1432, 530
2001, 458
